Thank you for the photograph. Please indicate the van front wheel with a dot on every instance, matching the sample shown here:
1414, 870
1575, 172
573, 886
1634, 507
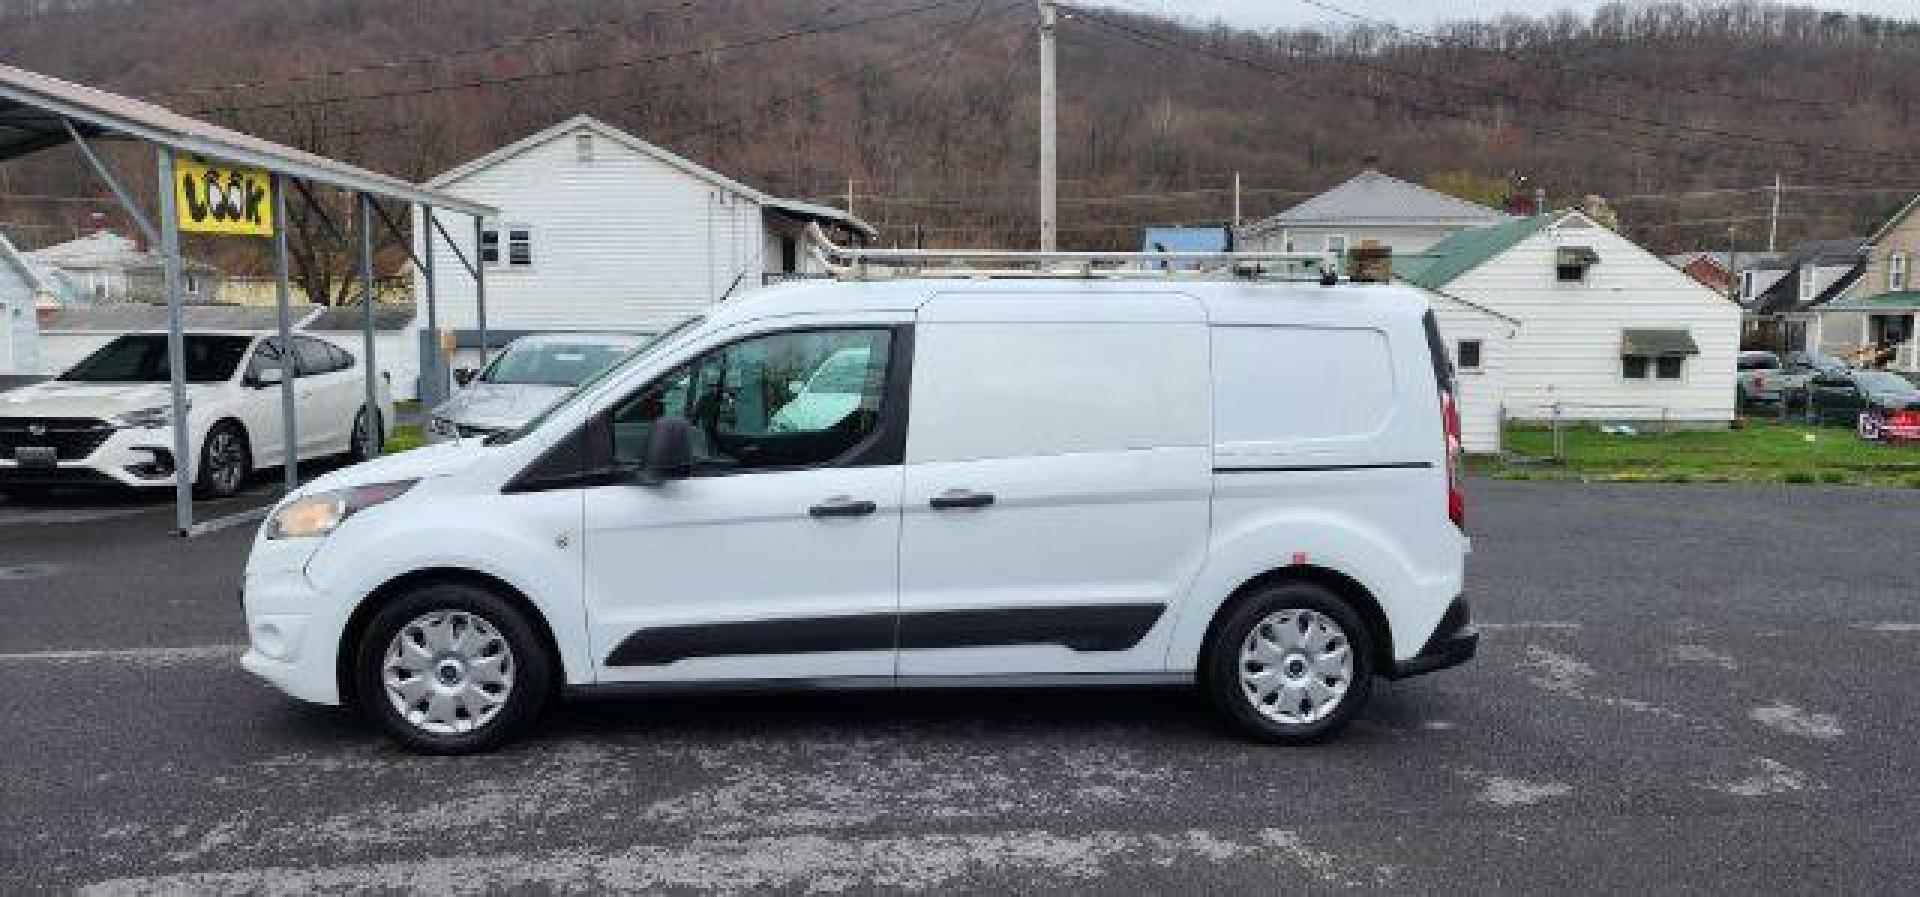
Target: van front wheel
452, 669
1290, 664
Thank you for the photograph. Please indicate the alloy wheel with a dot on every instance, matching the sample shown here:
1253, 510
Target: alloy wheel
227, 461
1296, 665
448, 672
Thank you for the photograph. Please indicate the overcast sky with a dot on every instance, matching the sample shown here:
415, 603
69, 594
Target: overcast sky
1418, 13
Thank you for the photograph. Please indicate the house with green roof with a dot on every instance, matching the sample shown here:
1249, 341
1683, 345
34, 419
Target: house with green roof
1876, 322
1608, 331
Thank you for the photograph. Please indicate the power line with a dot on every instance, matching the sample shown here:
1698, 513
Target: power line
508, 43
651, 59
1142, 36
911, 54
1664, 86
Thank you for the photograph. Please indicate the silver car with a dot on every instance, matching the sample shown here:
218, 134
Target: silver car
528, 375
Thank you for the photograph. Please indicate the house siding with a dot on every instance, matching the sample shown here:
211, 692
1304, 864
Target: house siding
1403, 239
624, 242
1567, 350
1903, 236
1481, 390
16, 314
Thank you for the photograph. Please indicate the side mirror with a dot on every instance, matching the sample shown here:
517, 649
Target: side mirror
669, 454
266, 377
464, 376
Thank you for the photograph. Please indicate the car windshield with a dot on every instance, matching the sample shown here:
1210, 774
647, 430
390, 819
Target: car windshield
553, 363
1757, 362
1882, 381
142, 358
632, 358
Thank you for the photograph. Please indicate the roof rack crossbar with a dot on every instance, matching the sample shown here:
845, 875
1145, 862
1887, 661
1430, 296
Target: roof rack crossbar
861, 263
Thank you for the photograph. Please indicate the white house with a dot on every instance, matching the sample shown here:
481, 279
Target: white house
1608, 331
1477, 340
104, 267
1371, 205
20, 289
600, 230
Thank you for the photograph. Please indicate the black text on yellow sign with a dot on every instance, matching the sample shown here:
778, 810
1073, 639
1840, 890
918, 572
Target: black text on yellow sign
215, 198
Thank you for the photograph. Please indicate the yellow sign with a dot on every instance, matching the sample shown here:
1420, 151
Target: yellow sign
216, 198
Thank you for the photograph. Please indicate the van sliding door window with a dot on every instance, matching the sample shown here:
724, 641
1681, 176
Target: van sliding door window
782, 401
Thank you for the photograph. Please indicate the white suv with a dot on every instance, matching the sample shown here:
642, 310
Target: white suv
1243, 485
109, 420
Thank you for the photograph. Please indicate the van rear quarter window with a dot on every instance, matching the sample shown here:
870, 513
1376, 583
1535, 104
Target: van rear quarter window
986, 389
1280, 385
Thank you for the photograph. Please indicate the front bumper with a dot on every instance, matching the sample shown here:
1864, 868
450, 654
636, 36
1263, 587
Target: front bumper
1453, 643
292, 628
130, 457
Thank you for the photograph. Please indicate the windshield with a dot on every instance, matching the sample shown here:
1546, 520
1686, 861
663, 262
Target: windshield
553, 364
142, 358
1881, 381
1759, 362
632, 358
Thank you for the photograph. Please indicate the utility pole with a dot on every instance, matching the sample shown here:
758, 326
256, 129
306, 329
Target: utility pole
1773, 220
1236, 200
849, 196
1049, 129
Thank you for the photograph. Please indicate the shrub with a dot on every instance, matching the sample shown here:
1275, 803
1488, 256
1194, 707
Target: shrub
1834, 476
1797, 476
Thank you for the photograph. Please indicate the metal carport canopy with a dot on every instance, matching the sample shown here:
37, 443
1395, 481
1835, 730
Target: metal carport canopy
32, 106
39, 112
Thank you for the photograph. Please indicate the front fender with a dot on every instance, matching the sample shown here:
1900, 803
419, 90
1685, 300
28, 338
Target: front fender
529, 541
1412, 600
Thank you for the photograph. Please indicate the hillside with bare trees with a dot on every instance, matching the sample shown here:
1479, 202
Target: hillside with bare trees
925, 109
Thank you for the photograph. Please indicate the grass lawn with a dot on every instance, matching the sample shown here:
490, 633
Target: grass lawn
405, 437
1761, 451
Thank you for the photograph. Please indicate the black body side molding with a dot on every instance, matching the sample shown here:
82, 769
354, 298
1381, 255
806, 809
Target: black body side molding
1094, 627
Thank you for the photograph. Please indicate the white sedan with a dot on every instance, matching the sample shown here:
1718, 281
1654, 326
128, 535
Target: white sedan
109, 419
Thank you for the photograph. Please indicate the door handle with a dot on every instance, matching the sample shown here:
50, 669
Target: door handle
960, 498
842, 506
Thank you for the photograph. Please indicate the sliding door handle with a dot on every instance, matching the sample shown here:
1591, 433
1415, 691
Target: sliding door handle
960, 498
842, 506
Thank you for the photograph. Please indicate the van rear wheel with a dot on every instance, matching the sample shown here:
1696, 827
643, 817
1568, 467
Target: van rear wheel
1290, 664
452, 669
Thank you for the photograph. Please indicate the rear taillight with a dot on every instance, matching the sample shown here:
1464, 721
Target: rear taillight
1456, 500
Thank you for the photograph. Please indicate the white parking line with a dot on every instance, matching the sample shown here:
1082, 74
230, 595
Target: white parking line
133, 655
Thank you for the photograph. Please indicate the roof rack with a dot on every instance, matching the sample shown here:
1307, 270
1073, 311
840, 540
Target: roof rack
864, 263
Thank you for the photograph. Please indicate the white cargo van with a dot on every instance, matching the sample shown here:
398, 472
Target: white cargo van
1231, 480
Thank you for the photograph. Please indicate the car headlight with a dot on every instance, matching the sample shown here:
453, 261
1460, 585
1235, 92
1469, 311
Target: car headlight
440, 426
144, 419
321, 513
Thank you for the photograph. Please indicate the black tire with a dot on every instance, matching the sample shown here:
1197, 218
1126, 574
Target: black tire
357, 449
1221, 663
25, 493
221, 473
531, 668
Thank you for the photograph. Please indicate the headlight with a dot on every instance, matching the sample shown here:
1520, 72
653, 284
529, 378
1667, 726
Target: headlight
440, 426
145, 418
323, 512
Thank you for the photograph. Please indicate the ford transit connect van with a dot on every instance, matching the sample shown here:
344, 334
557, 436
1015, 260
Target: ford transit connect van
1240, 484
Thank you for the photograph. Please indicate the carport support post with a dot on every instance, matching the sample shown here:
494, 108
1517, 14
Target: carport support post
366, 320
480, 285
183, 462
289, 428
436, 373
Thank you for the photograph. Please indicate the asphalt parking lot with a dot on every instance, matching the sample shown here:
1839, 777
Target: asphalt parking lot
1681, 688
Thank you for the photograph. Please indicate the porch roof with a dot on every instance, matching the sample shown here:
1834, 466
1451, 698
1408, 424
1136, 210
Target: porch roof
1898, 300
